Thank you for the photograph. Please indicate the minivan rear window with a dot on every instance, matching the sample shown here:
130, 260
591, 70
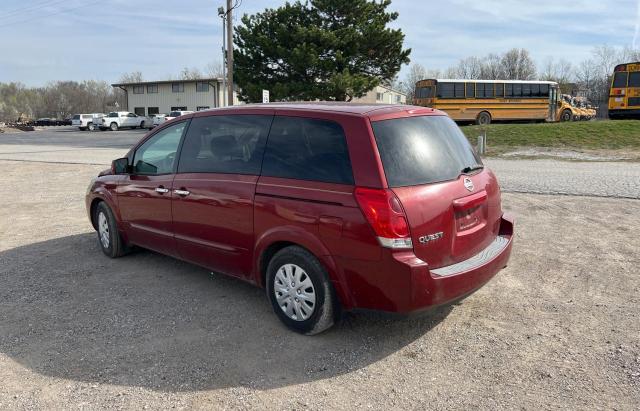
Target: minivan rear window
422, 150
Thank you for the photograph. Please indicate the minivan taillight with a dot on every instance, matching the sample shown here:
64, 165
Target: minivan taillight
385, 214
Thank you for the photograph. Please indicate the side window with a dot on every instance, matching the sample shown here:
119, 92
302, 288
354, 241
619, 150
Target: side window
544, 90
489, 90
231, 144
445, 90
480, 90
509, 90
307, 149
471, 90
458, 90
158, 154
499, 90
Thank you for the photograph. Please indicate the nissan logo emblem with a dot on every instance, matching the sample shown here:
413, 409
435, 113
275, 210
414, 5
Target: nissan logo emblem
468, 184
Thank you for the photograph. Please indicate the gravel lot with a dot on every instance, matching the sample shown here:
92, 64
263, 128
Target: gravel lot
558, 328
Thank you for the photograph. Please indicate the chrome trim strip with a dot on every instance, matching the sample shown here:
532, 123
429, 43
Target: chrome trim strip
484, 256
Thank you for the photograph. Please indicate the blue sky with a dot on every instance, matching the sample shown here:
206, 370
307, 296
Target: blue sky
45, 40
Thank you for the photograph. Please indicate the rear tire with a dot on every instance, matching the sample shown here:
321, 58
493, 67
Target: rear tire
308, 306
483, 119
91, 126
113, 126
142, 125
109, 236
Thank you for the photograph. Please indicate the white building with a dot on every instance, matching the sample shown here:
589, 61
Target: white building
153, 97
382, 94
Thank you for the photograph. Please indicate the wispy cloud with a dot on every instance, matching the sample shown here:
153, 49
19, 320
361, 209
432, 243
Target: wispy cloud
160, 38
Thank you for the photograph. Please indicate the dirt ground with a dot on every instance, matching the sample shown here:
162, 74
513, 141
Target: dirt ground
558, 328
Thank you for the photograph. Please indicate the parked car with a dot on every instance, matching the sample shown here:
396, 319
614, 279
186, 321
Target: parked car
379, 207
175, 114
85, 121
123, 119
43, 122
158, 119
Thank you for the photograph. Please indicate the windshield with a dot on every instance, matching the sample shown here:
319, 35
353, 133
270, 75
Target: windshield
422, 150
76, 117
175, 114
113, 115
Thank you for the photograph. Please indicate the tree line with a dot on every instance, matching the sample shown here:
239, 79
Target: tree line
61, 99
590, 77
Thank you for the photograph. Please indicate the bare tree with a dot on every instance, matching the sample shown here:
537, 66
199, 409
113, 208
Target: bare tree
192, 73
518, 65
560, 71
133, 77
214, 69
416, 73
492, 68
469, 68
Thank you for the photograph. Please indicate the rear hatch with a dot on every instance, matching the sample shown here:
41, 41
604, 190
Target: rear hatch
452, 203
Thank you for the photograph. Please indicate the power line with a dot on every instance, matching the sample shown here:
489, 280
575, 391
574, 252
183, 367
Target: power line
48, 14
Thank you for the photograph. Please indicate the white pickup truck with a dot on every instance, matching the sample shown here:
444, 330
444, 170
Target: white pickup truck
123, 119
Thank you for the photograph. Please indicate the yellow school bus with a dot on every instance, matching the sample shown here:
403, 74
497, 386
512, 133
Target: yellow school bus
484, 101
624, 97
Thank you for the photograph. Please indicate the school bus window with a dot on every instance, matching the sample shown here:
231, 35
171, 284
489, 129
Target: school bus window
620, 80
480, 90
526, 90
471, 90
517, 90
488, 90
544, 90
459, 90
500, 90
445, 90
535, 90
634, 79
508, 90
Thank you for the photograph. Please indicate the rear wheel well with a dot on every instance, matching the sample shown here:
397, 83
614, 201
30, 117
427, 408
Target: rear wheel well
92, 210
268, 254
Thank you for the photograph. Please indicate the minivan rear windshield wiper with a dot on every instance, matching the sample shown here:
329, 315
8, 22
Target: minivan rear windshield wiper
471, 169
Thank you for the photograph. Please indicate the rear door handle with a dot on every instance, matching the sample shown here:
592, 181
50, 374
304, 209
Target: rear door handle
182, 193
162, 190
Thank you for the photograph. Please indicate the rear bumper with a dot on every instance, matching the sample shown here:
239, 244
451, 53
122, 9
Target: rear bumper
404, 284
621, 114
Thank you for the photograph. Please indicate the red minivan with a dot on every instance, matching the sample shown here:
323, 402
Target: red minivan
329, 207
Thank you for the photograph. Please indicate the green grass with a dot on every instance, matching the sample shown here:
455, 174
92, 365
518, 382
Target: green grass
590, 135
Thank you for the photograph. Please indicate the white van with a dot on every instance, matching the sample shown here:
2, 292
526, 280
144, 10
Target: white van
85, 121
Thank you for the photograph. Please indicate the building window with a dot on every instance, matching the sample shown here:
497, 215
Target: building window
177, 87
202, 87
152, 88
139, 111
379, 96
179, 108
138, 89
398, 98
153, 110
200, 108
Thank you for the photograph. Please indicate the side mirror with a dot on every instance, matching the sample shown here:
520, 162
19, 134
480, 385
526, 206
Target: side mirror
121, 166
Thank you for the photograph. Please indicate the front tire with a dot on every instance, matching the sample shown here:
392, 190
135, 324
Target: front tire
300, 292
142, 125
91, 126
109, 237
565, 116
114, 126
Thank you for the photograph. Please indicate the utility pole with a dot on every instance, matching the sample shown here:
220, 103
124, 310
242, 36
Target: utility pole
223, 16
230, 52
